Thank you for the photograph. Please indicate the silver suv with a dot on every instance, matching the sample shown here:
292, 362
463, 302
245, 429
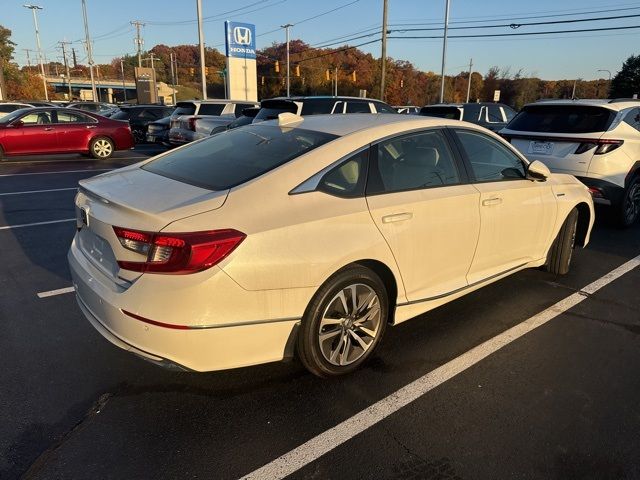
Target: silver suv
183, 127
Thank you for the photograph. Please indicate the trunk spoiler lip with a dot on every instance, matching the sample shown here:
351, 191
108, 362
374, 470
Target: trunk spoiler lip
550, 137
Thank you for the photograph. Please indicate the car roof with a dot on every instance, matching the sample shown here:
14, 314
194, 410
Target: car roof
616, 104
464, 104
216, 100
346, 124
324, 97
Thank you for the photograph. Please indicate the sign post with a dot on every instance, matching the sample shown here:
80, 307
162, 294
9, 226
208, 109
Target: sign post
146, 88
241, 71
496, 95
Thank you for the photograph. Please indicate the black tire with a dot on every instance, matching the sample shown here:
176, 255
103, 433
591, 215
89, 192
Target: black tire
139, 136
324, 316
559, 256
629, 210
2, 157
101, 148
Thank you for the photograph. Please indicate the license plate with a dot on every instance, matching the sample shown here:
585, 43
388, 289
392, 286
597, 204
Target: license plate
541, 148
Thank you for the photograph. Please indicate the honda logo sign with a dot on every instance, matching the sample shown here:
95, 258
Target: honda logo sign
240, 39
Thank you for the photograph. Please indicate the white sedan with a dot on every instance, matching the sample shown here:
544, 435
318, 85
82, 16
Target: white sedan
310, 236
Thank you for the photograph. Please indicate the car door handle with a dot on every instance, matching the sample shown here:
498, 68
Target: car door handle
90, 126
491, 201
48, 129
397, 217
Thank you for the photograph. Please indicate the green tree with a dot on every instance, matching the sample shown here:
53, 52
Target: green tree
6, 45
627, 80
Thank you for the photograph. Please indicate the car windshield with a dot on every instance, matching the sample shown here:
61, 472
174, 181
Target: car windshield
451, 113
223, 161
562, 119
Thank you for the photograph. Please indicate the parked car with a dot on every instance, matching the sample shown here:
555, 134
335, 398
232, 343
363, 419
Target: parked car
8, 107
220, 112
61, 130
158, 132
140, 116
316, 105
407, 109
597, 141
248, 114
94, 107
38, 103
311, 234
493, 116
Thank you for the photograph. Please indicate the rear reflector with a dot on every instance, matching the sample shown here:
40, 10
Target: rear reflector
177, 253
156, 323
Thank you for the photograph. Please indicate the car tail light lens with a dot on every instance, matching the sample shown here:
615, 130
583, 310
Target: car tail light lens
177, 253
596, 192
602, 146
191, 123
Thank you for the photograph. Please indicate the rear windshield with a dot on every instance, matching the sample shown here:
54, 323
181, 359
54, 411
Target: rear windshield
452, 113
562, 119
223, 161
184, 109
271, 110
317, 106
123, 114
211, 109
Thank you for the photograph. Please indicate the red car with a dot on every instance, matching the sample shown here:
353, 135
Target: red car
37, 131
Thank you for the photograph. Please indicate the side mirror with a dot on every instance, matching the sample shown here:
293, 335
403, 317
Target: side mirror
538, 171
17, 124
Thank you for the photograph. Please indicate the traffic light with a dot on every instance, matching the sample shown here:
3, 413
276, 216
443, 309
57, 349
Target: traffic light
353, 77
192, 71
297, 70
206, 70
276, 66
262, 80
327, 75
401, 83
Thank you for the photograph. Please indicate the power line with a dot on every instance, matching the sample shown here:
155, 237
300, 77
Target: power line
486, 35
220, 15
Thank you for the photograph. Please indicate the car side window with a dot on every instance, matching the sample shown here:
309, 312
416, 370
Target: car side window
633, 118
490, 160
509, 113
410, 162
383, 108
37, 118
358, 107
338, 108
241, 106
348, 178
72, 117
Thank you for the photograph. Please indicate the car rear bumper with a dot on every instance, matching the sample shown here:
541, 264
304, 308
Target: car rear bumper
603, 192
197, 348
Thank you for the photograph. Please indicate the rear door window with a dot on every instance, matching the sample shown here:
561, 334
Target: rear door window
562, 119
235, 157
73, 117
184, 108
358, 107
383, 108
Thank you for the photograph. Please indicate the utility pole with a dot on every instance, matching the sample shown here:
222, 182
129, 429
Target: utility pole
33, 9
203, 76
124, 87
138, 40
94, 92
66, 65
573, 93
444, 49
469, 81
151, 56
335, 76
383, 71
73, 56
173, 78
28, 57
286, 27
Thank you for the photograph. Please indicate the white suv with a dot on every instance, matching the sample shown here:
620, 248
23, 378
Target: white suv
598, 141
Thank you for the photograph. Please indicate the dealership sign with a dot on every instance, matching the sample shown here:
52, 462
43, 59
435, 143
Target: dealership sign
240, 39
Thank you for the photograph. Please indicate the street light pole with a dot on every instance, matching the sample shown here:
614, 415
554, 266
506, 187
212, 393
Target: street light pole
444, 49
89, 50
286, 27
124, 87
35, 24
203, 76
173, 78
383, 66
469, 81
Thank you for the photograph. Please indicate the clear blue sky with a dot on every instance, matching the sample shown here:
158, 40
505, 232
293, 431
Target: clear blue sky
172, 22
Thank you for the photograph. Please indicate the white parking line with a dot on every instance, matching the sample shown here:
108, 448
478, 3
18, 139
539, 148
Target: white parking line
10, 227
38, 191
53, 293
325, 442
54, 173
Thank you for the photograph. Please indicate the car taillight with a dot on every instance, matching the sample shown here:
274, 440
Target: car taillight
192, 123
177, 253
602, 146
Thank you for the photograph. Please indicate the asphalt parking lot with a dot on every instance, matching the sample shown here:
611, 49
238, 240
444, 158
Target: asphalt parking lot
561, 400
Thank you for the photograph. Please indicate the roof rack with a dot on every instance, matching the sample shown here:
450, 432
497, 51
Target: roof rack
619, 100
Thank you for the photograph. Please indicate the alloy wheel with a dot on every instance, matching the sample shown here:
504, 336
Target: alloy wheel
349, 324
102, 148
632, 203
